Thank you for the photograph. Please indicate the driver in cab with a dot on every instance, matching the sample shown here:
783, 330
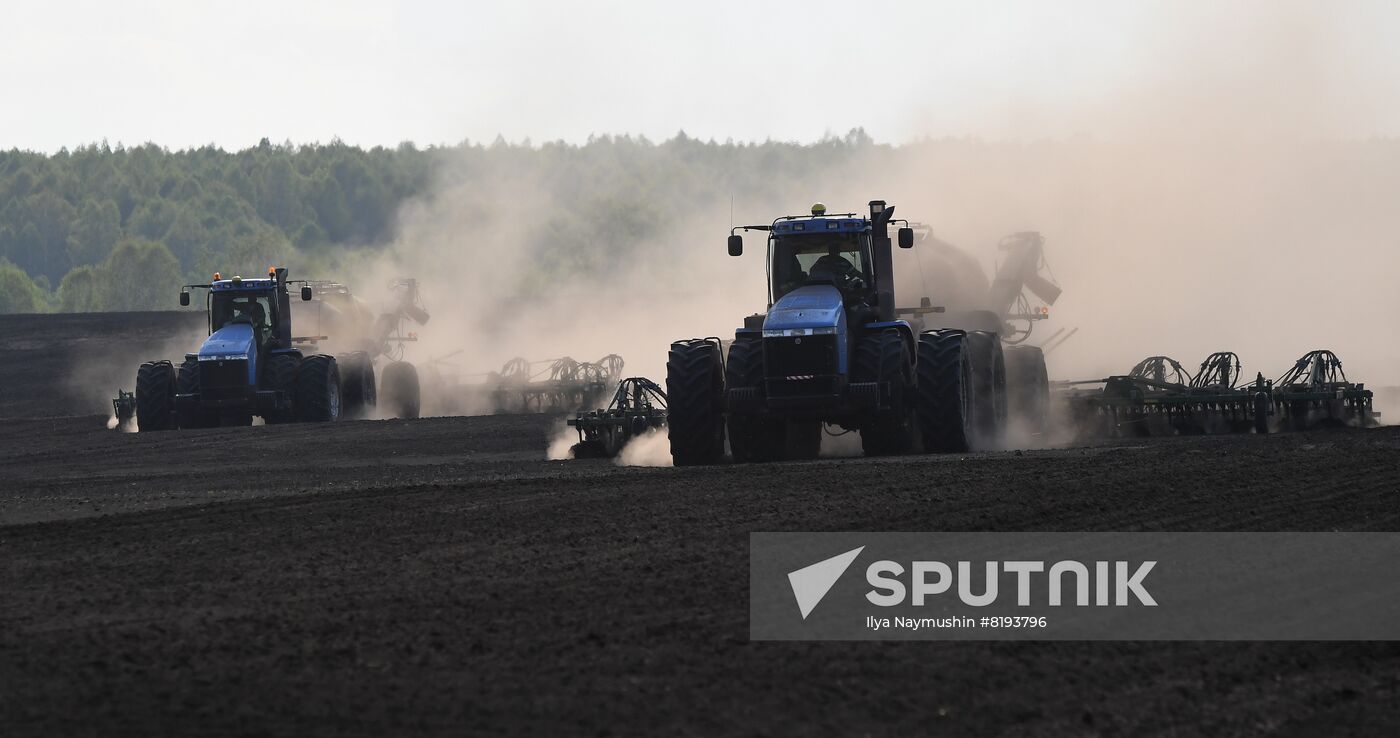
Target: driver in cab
247, 310
837, 268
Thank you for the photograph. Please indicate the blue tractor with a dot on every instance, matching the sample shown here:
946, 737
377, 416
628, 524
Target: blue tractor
250, 366
833, 348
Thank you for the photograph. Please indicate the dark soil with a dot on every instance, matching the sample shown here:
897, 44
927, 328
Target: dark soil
73, 364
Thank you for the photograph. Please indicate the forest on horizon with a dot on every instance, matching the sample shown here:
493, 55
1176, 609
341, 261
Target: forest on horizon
104, 228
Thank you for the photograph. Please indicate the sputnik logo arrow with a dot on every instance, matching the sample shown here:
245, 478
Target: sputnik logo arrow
811, 583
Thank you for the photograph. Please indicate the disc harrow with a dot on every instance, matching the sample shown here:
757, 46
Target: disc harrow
1315, 392
638, 406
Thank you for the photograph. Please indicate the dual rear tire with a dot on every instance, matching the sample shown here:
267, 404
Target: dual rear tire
695, 401
318, 396
962, 404
155, 396
357, 388
1028, 389
402, 392
946, 392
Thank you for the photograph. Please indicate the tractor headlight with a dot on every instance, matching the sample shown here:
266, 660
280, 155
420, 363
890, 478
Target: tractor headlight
224, 357
780, 332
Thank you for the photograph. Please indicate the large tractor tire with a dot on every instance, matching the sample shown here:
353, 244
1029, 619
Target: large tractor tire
1028, 388
752, 437
989, 379
318, 398
402, 392
357, 384
192, 415
884, 357
280, 373
155, 396
695, 402
945, 406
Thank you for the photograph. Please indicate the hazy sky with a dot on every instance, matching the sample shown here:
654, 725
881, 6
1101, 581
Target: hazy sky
188, 73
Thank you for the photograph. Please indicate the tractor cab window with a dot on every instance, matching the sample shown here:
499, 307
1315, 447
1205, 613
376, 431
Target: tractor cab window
231, 307
838, 258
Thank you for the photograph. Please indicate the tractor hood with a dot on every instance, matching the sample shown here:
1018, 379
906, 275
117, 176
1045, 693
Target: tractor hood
812, 306
233, 341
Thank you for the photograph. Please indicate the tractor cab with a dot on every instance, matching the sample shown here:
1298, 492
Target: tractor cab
259, 308
818, 250
256, 308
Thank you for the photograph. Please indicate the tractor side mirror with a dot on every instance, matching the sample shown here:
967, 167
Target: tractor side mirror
906, 238
184, 298
736, 244
306, 293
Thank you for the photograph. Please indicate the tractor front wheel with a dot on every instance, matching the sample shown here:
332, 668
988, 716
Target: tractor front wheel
155, 396
695, 402
884, 358
318, 390
357, 384
1028, 388
989, 379
752, 437
945, 402
192, 415
280, 374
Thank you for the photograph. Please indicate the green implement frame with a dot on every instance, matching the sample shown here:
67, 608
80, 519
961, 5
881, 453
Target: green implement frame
638, 406
1159, 397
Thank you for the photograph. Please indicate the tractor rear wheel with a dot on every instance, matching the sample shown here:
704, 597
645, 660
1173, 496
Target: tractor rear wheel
1028, 388
945, 405
155, 396
192, 415
318, 390
402, 394
695, 402
752, 437
884, 357
357, 384
280, 374
989, 377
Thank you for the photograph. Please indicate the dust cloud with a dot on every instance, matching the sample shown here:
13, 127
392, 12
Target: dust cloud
652, 448
561, 441
99, 373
